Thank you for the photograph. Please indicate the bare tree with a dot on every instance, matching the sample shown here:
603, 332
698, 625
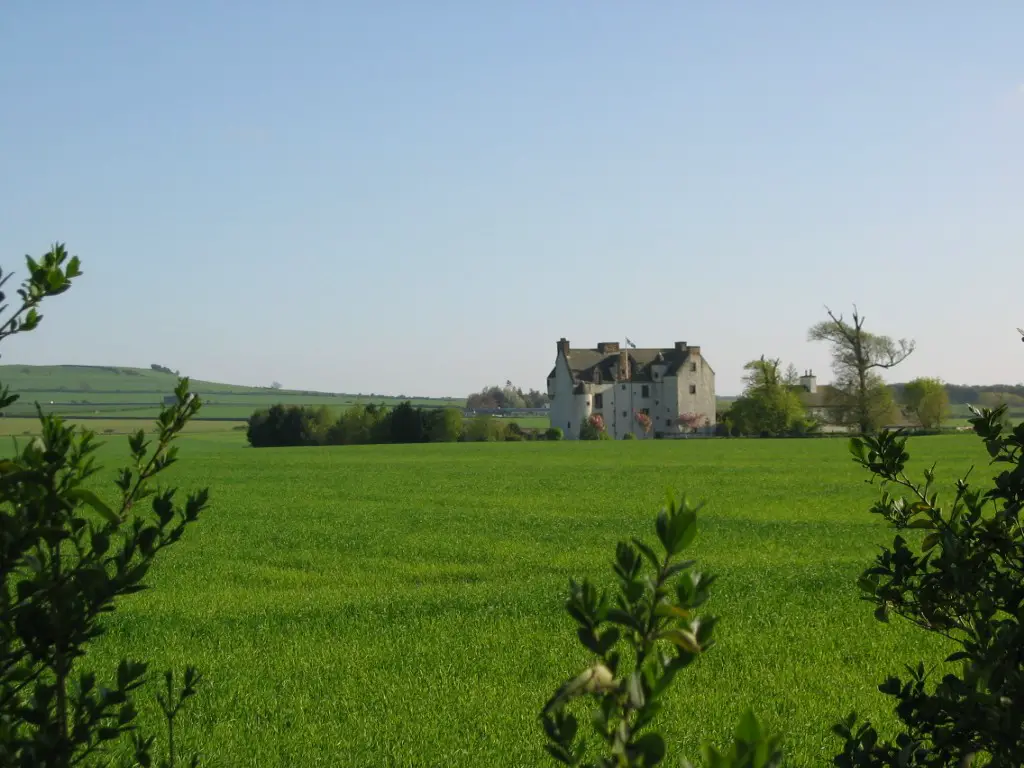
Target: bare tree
856, 355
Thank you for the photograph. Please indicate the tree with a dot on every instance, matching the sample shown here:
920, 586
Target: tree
689, 422
67, 557
644, 421
276, 385
928, 400
964, 581
507, 396
407, 424
857, 356
769, 404
444, 425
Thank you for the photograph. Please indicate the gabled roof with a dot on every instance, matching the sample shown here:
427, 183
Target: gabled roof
585, 363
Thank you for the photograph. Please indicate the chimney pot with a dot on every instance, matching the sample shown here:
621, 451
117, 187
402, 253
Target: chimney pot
563, 346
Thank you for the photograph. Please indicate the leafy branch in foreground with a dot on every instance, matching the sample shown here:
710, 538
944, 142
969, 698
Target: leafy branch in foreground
66, 556
963, 581
640, 640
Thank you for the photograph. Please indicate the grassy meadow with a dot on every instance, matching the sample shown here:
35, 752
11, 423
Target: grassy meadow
402, 605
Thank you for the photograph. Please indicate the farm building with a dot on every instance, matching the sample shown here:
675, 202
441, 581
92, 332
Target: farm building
832, 409
627, 386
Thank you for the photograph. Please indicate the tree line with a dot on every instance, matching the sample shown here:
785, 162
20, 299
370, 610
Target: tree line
773, 400
507, 397
298, 425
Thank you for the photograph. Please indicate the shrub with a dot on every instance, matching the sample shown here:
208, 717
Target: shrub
444, 425
554, 433
407, 424
964, 580
629, 436
66, 557
640, 640
593, 428
484, 428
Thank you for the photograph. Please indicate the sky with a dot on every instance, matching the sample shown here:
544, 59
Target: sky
421, 198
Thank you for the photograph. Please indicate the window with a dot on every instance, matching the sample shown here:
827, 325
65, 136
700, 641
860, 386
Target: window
623, 387
599, 401
668, 422
568, 425
645, 411
693, 389
624, 414
693, 367
645, 391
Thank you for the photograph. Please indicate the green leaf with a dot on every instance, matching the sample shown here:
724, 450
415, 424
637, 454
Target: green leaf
749, 729
86, 496
652, 747
635, 691
682, 638
669, 609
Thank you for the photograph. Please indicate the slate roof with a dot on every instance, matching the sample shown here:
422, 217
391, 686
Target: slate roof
585, 363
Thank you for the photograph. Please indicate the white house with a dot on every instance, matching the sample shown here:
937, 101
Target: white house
621, 383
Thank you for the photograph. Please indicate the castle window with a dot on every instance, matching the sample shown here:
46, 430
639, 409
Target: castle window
693, 389
599, 401
693, 367
645, 391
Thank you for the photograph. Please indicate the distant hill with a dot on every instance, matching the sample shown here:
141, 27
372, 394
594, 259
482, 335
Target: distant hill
120, 392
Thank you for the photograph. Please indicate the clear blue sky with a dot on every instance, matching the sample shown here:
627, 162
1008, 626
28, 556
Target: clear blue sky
422, 197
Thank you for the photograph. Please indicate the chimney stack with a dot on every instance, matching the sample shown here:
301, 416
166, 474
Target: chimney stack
809, 382
680, 346
563, 346
624, 365
608, 347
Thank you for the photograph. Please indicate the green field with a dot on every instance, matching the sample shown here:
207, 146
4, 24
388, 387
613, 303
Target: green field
402, 605
117, 392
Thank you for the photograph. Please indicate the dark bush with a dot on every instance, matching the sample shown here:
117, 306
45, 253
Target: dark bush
963, 580
67, 556
553, 433
407, 424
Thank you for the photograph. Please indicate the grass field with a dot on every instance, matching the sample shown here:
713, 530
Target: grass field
402, 605
119, 392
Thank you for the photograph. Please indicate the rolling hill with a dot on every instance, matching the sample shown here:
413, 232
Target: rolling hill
119, 392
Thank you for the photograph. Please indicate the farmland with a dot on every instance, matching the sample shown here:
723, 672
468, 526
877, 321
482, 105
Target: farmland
400, 605
111, 392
